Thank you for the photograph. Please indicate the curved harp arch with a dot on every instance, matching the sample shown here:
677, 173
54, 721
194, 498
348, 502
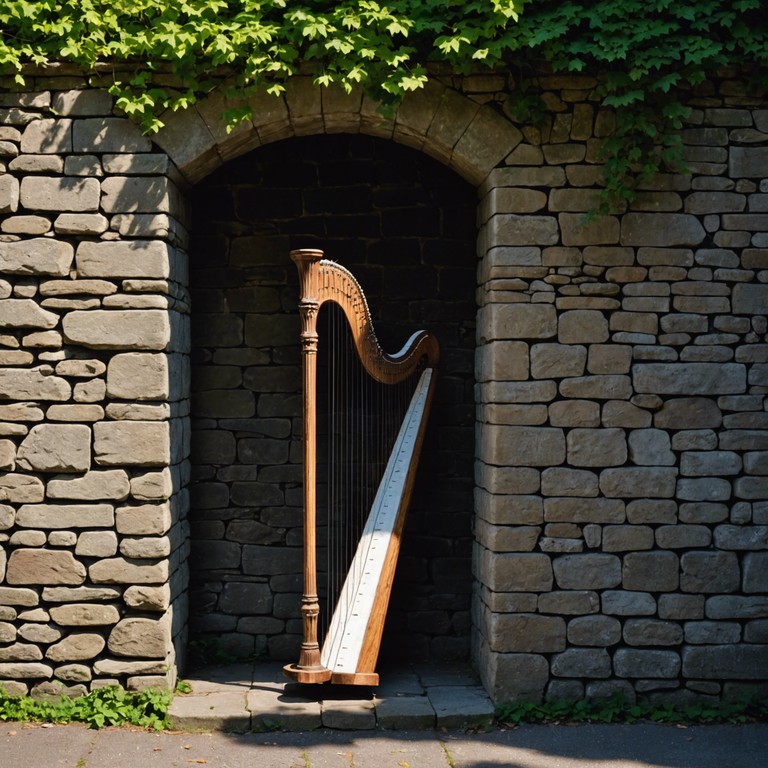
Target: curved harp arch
350, 649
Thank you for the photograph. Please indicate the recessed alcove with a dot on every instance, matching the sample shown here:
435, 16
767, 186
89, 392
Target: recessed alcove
405, 226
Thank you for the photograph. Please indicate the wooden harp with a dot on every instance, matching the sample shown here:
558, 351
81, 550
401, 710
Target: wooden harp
352, 633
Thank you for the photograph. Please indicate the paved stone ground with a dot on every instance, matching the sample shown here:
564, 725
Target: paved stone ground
256, 697
585, 746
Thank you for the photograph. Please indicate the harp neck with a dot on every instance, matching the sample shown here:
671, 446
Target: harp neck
321, 280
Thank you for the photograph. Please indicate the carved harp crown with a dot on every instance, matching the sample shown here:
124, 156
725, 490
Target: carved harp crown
356, 609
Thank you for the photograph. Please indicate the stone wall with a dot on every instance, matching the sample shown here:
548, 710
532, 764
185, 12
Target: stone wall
620, 514
622, 522
94, 384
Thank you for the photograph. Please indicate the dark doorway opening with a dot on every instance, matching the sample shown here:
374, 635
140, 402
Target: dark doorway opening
405, 226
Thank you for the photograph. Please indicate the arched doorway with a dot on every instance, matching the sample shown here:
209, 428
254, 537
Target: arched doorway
404, 224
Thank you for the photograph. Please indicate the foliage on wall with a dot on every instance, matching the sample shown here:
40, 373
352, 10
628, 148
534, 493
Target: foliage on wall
644, 50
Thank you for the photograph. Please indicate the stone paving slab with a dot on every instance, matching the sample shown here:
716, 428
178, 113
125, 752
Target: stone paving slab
256, 697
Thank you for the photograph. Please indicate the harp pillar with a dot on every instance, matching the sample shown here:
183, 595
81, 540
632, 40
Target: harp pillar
309, 669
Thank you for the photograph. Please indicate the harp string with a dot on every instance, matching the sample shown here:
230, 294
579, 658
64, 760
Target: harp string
362, 420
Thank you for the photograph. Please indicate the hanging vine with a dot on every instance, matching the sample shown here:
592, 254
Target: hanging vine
645, 52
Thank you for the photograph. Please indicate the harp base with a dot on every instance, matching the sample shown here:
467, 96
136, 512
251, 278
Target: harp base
322, 675
355, 678
307, 675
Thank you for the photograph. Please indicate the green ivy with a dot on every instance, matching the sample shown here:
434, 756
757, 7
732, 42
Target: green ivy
111, 705
617, 710
645, 52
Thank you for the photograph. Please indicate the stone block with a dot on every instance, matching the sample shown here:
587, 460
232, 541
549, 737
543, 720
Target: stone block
522, 446
505, 229
609, 359
143, 520
41, 566
108, 134
612, 387
502, 361
688, 413
550, 361
36, 256
652, 632
47, 137
628, 662
683, 536
516, 321
138, 376
514, 676
9, 196
135, 443
20, 652
600, 631
93, 486
84, 615
703, 489
122, 194
513, 572
603, 230
96, 544
748, 162
734, 662
583, 510
741, 537
63, 516
712, 632
526, 633
79, 646
650, 571
56, 448
48, 193
140, 638
82, 103
115, 329
582, 326
596, 447
650, 447
119, 570
20, 489
681, 607
574, 413
587, 571
582, 662
626, 538
563, 481
638, 482
25, 313
487, 140
749, 299
127, 259
150, 548
661, 229
146, 598
690, 378
756, 572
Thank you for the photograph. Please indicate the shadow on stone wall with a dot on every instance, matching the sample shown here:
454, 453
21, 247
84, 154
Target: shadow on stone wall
404, 225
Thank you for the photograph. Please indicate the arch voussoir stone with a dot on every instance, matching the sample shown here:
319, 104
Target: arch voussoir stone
468, 137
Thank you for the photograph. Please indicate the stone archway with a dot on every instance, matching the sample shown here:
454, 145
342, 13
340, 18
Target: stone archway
465, 136
468, 137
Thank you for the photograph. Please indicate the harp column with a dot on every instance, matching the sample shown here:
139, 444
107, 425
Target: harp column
309, 669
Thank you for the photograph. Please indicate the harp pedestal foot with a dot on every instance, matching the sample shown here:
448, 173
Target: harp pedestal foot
307, 674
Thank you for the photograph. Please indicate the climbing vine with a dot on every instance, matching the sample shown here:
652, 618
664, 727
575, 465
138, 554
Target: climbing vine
166, 54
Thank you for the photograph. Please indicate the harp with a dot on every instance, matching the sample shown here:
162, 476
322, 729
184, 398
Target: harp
355, 614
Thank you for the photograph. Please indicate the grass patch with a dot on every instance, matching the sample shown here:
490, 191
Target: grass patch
111, 705
618, 710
